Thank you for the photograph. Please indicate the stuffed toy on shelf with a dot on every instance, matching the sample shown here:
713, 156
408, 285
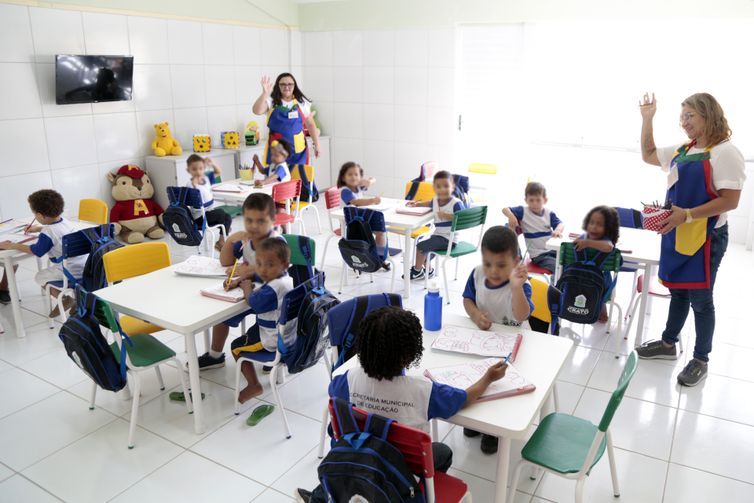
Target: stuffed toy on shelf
202, 143
135, 214
251, 134
164, 143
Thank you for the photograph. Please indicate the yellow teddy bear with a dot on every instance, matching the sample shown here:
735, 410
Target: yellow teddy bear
164, 144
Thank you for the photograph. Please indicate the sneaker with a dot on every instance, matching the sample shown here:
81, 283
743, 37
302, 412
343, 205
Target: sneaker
431, 274
207, 361
468, 432
489, 444
386, 265
302, 495
693, 373
417, 273
4, 297
656, 350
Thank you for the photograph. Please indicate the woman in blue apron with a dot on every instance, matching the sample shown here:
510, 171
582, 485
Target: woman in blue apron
288, 113
705, 178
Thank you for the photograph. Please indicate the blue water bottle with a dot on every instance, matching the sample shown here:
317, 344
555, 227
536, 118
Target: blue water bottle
433, 309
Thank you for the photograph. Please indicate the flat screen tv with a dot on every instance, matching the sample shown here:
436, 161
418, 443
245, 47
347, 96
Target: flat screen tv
93, 79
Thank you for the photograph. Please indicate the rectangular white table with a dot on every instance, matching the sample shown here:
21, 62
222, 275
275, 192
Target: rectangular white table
238, 198
399, 224
639, 246
173, 302
539, 359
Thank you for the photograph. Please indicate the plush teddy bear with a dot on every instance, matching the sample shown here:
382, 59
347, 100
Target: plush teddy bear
134, 214
164, 144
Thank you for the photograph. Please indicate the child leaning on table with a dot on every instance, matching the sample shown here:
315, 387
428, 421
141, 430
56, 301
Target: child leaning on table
196, 167
390, 341
47, 207
278, 170
498, 291
443, 205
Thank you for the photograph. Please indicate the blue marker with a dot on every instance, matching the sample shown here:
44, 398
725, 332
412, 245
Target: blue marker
505, 360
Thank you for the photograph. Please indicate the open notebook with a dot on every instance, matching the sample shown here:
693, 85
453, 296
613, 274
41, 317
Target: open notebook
464, 375
218, 292
413, 210
478, 342
227, 187
196, 265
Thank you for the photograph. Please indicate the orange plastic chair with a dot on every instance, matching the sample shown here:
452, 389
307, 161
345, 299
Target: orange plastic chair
332, 201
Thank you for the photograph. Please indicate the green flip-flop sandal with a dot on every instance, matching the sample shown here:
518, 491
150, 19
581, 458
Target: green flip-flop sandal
177, 396
258, 414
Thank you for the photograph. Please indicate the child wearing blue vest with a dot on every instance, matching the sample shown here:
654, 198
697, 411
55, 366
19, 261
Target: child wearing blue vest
498, 291
390, 341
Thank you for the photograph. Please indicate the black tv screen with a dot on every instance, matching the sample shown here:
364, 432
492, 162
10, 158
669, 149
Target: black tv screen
92, 79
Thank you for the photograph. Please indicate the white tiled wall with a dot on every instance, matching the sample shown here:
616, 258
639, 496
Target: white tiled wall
200, 77
385, 97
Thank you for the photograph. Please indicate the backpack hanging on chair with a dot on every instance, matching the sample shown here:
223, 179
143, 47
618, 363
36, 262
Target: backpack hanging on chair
178, 220
307, 196
99, 241
358, 247
460, 183
583, 288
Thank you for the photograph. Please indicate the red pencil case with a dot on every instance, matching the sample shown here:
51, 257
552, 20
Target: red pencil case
653, 216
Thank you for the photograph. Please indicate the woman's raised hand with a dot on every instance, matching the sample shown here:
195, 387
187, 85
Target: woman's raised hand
648, 107
267, 85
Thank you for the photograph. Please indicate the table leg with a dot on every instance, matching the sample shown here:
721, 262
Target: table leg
503, 462
408, 260
643, 305
196, 391
14, 298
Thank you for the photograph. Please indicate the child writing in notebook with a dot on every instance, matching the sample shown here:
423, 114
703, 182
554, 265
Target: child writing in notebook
498, 291
265, 296
390, 341
537, 223
278, 170
443, 205
258, 222
601, 231
197, 167
47, 207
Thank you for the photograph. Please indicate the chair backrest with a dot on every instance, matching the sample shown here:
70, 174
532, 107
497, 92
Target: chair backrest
615, 399
539, 298
76, 243
414, 444
282, 192
568, 256
375, 219
189, 196
424, 191
308, 171
428, 169
291, 303
468, 218
301, 255
348, 314
93, 210
629, 217
135, 260
332, 198
483, 168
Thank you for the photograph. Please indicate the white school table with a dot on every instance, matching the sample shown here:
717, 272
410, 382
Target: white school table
639, 246
173, 302
237, 198
399, 224
539, 359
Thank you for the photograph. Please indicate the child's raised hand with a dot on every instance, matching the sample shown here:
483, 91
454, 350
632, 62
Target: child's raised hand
496, 372
518, 275
482, 321
267, 85
580, 244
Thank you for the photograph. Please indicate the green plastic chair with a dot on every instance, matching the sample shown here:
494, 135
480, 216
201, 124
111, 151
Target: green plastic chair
303, 255
232, 210
569, 446
144, 354
462, 220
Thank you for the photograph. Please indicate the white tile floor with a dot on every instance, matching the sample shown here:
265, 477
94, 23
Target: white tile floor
672, 444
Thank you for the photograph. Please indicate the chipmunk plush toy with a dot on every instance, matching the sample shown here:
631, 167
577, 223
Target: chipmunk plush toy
134, 214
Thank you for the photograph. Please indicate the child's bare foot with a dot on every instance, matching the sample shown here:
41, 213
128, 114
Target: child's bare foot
219, 244
603, 315
249, 392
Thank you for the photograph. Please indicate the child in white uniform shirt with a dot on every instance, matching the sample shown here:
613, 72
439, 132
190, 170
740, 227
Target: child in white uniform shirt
47, 207
278, 170
196, 167
443, 205
265, 298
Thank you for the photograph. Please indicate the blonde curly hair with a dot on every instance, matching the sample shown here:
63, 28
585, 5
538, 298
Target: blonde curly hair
716, 127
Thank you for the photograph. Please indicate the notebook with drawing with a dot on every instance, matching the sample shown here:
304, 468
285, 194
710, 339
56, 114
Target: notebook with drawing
478, 342
218, 292
464, 375
196, 265
413, 210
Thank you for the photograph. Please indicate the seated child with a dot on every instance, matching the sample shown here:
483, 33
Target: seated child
443, 205
278, 170
602, 229
265, 299
537, 223
498, 291
47, 207
196, 167
258, 222
390, 342
353, 187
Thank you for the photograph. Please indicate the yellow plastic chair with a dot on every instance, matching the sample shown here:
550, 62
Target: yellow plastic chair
539, 298
93, 210
483, 168
298, 208
425, 192
135, 260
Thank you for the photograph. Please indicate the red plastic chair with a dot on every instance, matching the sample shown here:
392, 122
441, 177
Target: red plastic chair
283, 193
416, 447
535, 269
332, 201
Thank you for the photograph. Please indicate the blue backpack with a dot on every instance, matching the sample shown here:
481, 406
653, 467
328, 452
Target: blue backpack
357, 246
177, 217
309, 191
88, 348
96, 241
363, 463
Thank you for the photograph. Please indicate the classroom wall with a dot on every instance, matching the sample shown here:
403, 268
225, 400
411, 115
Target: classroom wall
199, 76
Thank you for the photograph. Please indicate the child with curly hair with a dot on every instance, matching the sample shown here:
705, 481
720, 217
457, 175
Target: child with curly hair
390, 341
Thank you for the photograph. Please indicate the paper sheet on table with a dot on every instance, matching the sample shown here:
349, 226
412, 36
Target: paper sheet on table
196, 265
218, 292
12, 225
18, 237
477, 342
413, 210
227, 187
464, 375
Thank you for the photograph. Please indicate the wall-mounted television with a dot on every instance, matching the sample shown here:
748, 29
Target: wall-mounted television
93, 79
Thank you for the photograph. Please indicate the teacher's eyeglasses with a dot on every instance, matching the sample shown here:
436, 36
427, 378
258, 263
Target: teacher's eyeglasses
684, 118
286, 85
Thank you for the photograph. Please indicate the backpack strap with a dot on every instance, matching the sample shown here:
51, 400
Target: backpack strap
411, 194
362, 303
378, 426
344, 417
394, 299
553, 303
